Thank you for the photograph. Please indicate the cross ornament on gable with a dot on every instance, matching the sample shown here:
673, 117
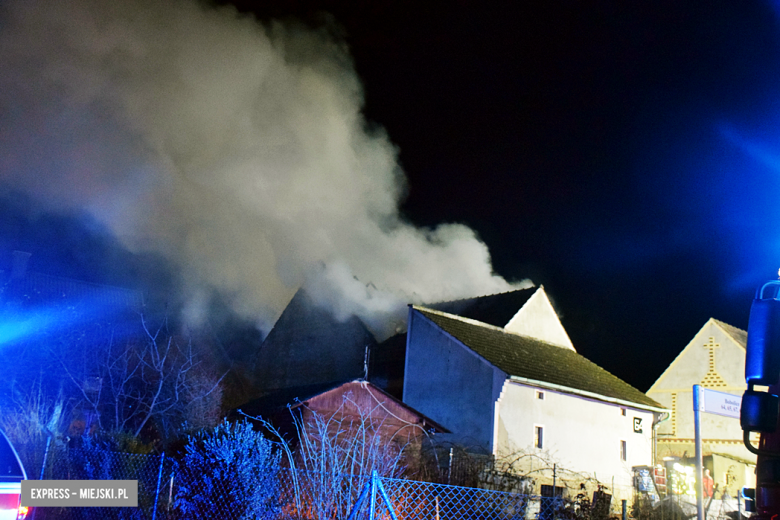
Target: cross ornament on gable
712, 379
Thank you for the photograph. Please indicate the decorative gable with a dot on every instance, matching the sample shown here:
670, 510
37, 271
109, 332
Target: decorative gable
714, 358
537, 319
712, 379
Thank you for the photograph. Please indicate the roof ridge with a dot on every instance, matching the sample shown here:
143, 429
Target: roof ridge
736, 334
720, 322
457, 317
478, 323
540, 361
484, 295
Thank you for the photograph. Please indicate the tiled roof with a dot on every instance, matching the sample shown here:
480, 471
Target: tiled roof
280, 399
536, 360
738, 335
271, 404
493, 309
308, 345
41, 288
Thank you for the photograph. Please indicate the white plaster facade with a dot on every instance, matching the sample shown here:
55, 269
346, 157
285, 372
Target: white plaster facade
581, 433
538, 319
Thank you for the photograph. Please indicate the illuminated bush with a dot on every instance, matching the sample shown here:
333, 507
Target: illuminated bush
231, 469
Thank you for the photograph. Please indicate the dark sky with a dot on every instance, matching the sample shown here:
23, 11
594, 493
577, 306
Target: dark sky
623, 154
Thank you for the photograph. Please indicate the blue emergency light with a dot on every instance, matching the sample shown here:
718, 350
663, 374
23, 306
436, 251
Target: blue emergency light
759, 410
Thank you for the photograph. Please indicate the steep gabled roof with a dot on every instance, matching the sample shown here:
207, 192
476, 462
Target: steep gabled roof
679, 370
534, 360
738, 335
493, 309
278, 400
308, 345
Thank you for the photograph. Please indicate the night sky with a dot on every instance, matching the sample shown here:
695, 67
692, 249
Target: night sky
625, 155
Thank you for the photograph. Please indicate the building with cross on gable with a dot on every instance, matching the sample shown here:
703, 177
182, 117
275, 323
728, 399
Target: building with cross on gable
714, 359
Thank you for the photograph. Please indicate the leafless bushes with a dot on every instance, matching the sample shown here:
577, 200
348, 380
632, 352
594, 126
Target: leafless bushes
158, 377
564, 493
149, 384
31, 419
332, 453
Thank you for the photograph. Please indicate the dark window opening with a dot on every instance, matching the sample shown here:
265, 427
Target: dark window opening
539, 437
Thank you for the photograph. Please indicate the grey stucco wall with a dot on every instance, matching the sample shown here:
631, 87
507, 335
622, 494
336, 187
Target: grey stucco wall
450, 383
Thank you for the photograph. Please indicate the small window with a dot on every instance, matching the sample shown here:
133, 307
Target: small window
623, 412
538, 437
623, 451
549, 491
540, 395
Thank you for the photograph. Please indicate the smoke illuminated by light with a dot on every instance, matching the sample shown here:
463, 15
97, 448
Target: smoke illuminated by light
236, 150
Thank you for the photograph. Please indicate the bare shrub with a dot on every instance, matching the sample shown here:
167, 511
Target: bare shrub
31, 419
331, 452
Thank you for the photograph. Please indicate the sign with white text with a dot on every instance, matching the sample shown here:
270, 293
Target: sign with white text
720, 403
80, 493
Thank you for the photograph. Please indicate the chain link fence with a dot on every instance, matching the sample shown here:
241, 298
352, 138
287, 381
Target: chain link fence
424, 500
162, 485
154, 473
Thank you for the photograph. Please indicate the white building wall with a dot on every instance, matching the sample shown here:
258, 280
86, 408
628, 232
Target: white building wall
580, 434
538, 319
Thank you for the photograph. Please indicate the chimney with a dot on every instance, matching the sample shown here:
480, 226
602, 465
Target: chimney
19, 264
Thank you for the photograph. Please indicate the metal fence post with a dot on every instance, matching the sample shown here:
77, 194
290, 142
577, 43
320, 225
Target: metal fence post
157, 491
45, 456
170, 492
360, 500
372, 498
389, 505
43, 467
449, 469
739, 503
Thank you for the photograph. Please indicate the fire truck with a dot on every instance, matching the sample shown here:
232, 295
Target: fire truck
760, 403
11, 475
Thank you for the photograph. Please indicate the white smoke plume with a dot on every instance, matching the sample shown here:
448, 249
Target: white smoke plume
235, 149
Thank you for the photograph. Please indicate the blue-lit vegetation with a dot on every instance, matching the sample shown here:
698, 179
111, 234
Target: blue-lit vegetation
326, 448
229, 470
94, 366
